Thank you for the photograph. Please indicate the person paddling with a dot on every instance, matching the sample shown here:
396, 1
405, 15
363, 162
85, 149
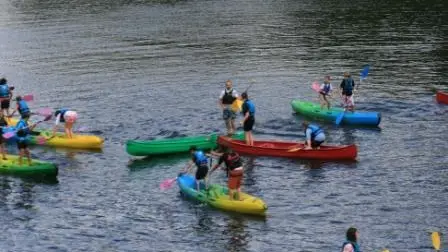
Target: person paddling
351, 244
347, 86
314, 136
234, 168
23, 132
22, 107
325, 90
248, 110
199, 159
226, 98
68, 117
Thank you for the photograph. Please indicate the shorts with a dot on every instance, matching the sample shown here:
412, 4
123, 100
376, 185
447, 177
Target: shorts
347, 101
228, 114
201, 172
25, 115
249, 123
235, 177
315, 144
5, 104
70, 116
22, 145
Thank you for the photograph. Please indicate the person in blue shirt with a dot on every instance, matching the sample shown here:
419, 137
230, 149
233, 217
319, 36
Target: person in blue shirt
22, 107
199, 159
23, 134
325, 90
5, 96
3, 123
314, 136
351, 244
248, 110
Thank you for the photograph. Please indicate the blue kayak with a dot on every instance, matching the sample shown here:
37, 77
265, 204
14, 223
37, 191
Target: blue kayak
313, 110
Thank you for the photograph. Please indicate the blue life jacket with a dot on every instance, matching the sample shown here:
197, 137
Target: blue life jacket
23, 131
23, 107
4, 91
348, 85
228, 97
354, 244
326, 88
248, 105
315, 130
199, 158
62, 112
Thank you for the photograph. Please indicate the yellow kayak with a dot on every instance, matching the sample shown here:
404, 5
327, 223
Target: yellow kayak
44, 137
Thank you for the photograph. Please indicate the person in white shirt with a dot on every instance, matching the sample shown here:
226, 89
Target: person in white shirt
226, 98
324, 93
68, 117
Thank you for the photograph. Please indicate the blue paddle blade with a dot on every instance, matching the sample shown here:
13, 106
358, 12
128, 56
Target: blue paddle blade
339, 118
364, 72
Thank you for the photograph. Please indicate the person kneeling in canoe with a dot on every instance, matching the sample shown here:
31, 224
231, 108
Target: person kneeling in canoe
314, 136
351, 244
201, 161
234, 168
248, 122
325, 90
22, 107
68, 117
23, 132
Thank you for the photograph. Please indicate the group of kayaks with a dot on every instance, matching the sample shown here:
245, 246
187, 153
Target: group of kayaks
216, 195
45, 138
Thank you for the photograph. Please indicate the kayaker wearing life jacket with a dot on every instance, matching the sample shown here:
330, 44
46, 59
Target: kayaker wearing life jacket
248, 122
314, 135
5, 96
234, 168
351, 245
3, 124
325, 90
22, 107
226, 98
347, 86
199, 159
68, 117
23, 135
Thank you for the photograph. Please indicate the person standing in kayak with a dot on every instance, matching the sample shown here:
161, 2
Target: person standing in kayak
325, 90
5, 96
22, 107
68, 117
248, 122
201, 161
234, 168
226, 98
3, 124
347, 86
314, 136
351, 244
23, 132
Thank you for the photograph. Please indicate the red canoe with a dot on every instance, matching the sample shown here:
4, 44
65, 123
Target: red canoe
280, 149
442, 97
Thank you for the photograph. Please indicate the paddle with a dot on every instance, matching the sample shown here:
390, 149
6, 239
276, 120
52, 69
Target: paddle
237, 104
435, 237
364, 72
10, 134
168, 183
28, 97
339, 118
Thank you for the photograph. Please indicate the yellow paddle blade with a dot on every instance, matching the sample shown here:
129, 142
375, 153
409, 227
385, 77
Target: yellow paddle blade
386, 250
435, 240
236, 105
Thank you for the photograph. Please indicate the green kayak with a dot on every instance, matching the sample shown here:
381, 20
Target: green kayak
11, 166
174, 145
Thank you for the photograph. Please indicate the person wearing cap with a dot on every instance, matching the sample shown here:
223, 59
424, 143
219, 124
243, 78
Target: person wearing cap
5, 96
226, 98
248, 110
68, 117
199, 159
22, 107
347, 86
325, 90
351, 243
314, 134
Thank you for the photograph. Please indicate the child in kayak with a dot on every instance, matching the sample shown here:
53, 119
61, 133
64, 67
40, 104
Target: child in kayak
22, 107
5, 96
248, 110
23, 132
68, 117
201, 161
347, 86
314, 136
234, 168
3, 124
325, 90
351, 244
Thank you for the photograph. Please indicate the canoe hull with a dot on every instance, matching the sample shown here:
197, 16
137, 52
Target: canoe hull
173, 145
313, 110
442, 97
217, 197
11, 166
281, 149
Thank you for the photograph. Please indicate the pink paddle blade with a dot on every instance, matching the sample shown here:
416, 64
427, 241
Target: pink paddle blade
41, 140
167, 183
45, 111
28, 98
8, 135
316, 86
